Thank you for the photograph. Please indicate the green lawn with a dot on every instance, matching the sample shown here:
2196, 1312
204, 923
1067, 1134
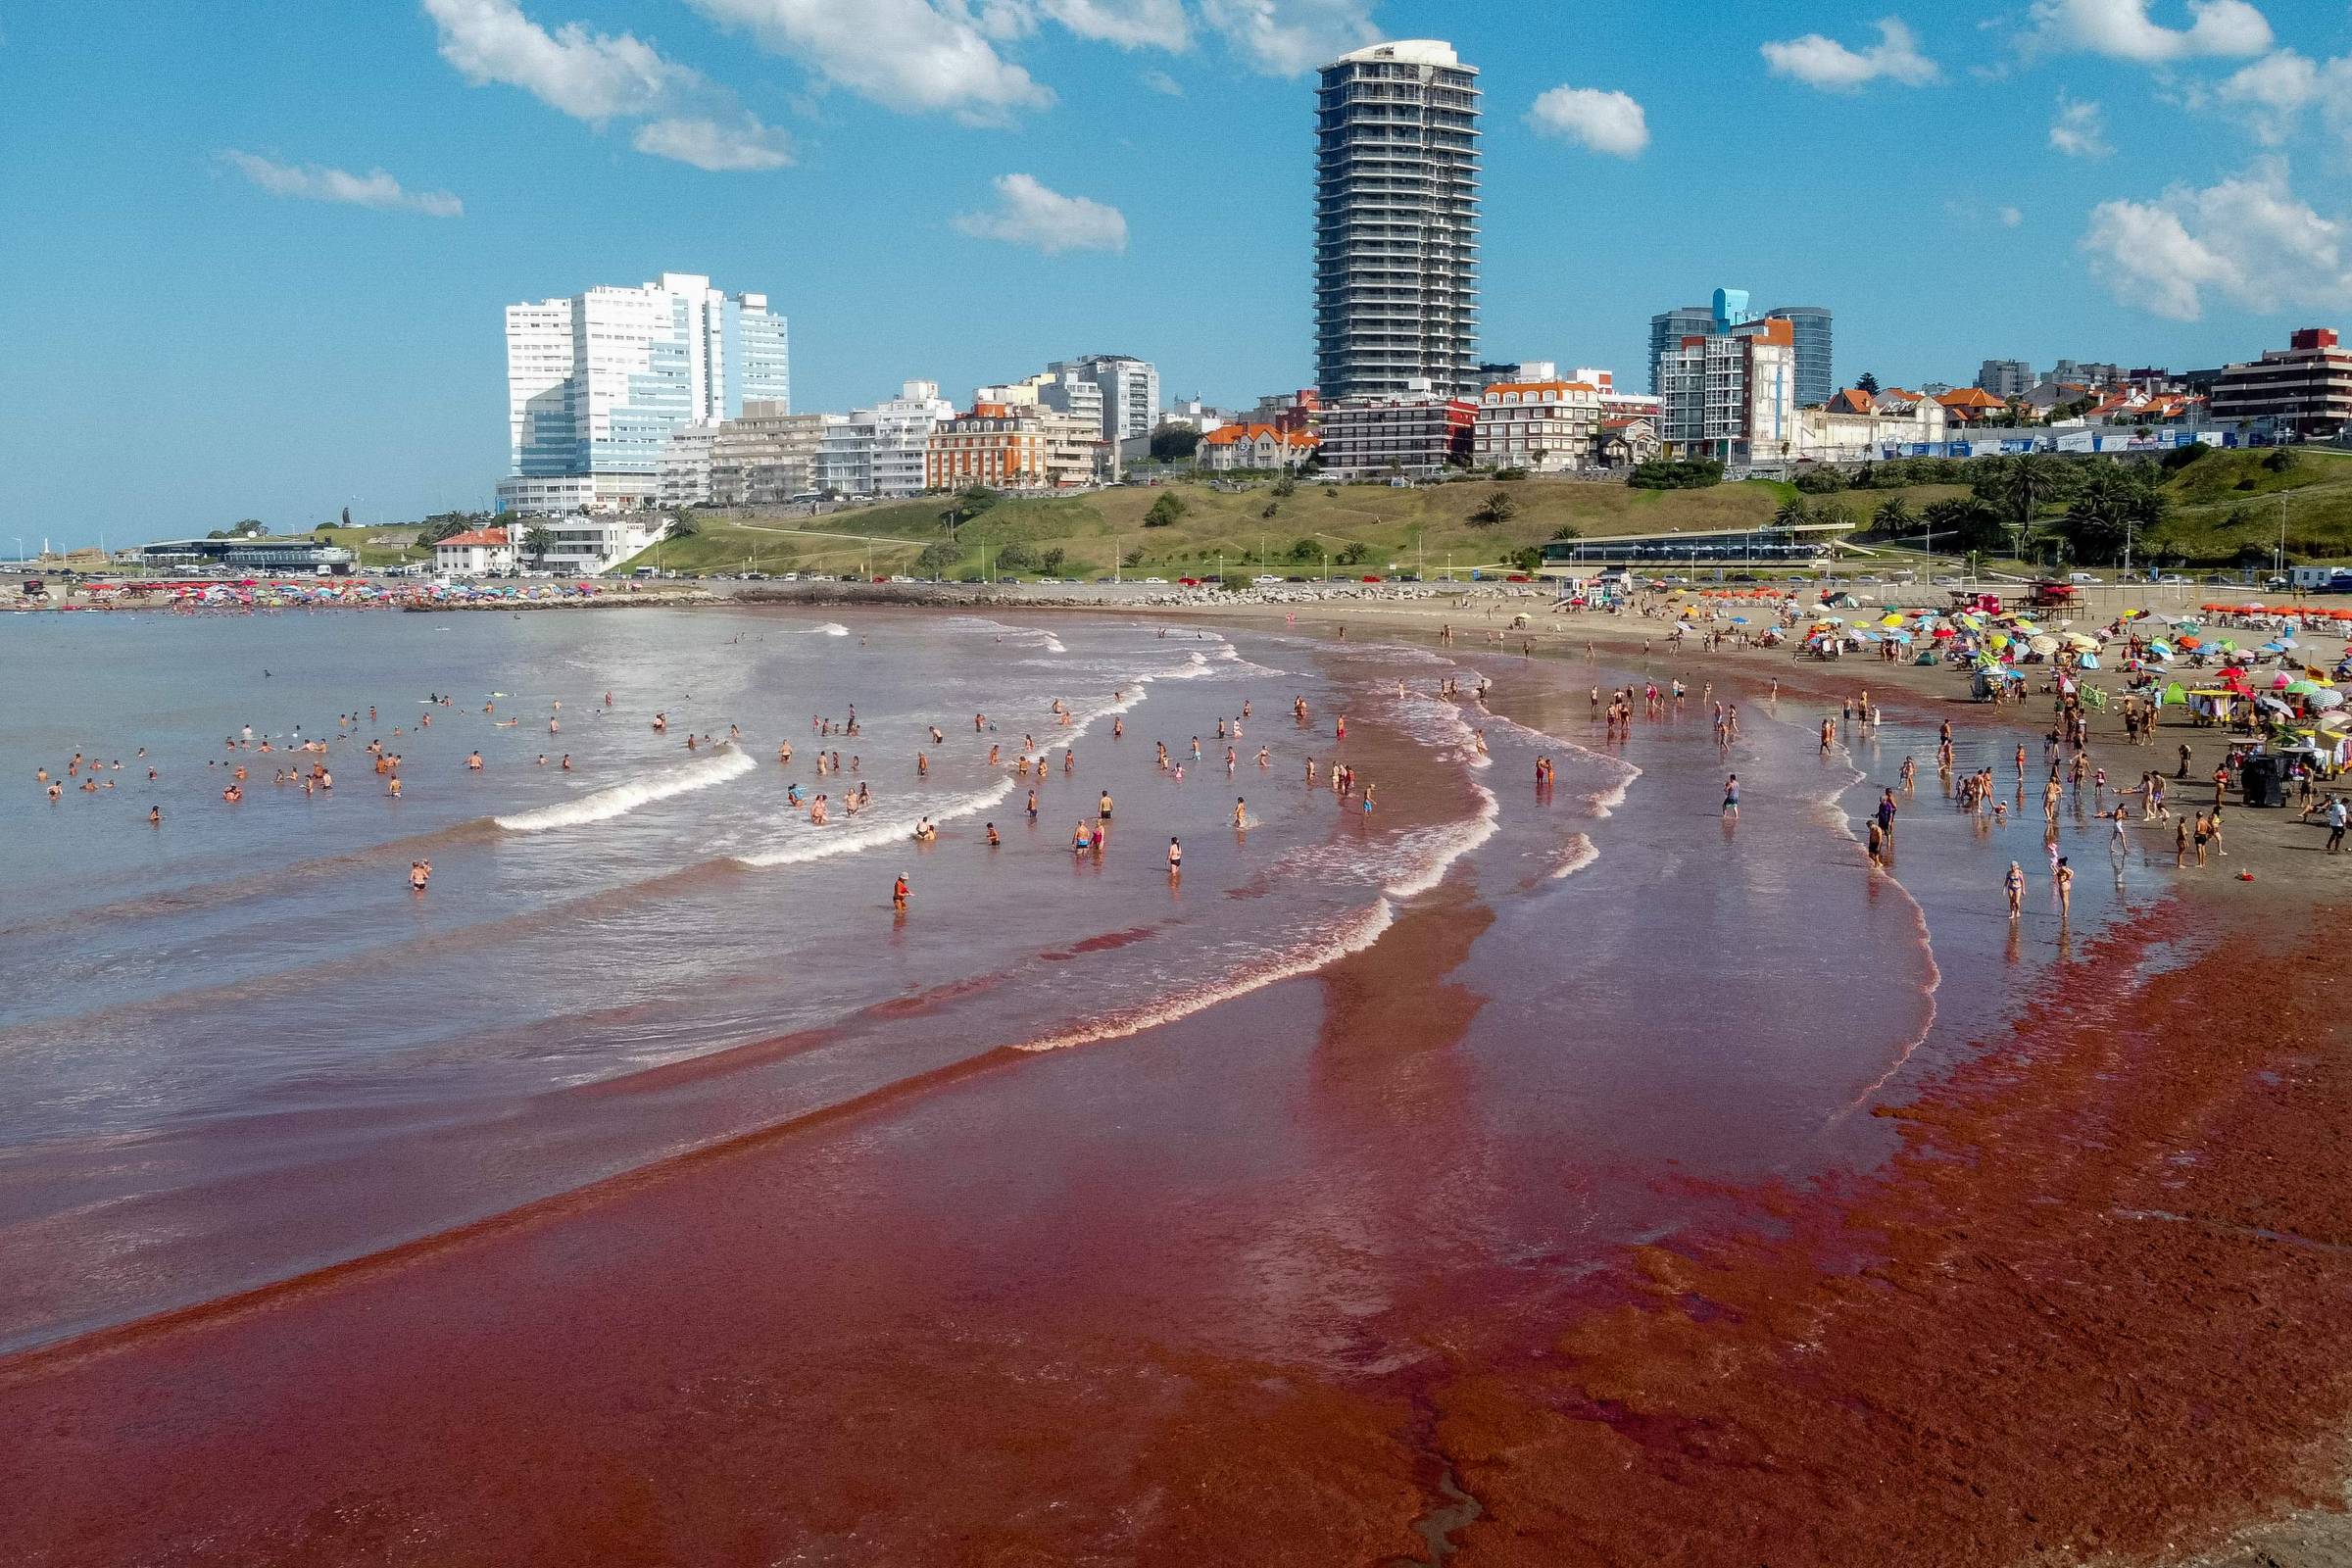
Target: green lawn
2229, 502
1425, 525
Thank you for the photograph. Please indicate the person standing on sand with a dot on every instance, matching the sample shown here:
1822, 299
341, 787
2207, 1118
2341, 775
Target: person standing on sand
2063, 880
2335, 824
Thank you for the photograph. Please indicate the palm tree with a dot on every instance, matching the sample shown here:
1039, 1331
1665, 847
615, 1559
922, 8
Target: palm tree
1791, 514
1893, 519
538, 539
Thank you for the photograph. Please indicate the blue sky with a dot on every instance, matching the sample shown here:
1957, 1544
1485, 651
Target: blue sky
254, 255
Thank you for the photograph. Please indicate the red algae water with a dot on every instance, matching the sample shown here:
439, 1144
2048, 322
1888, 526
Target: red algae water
647, 1190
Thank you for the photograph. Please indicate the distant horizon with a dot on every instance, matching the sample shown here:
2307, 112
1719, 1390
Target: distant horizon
309, 286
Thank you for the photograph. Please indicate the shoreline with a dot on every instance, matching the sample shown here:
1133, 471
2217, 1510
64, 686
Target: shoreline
1639, 1384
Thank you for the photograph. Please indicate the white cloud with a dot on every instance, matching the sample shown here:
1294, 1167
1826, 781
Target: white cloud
1606, 122
1160, 81
2081, 129
1285, 37
314, 182
1827, 64
598, 77
720, 146
2272, 94
2248, 240
1028, 213
2010, 216
2123, 30
1129, 24
911, 55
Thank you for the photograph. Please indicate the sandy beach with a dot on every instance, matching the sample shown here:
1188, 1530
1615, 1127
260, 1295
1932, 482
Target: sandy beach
1383, 1260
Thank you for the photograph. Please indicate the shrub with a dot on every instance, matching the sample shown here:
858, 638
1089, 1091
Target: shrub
1689, 473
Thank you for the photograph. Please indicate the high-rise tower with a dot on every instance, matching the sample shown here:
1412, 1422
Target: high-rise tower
1396, 221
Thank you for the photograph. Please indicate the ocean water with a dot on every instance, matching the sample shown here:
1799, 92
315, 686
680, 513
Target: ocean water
237, 1049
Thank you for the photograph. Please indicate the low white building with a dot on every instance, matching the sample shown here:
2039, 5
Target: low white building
577, 492
588, 547
1855, 426
477, 553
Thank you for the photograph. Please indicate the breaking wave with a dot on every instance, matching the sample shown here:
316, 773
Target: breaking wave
1353, 934
602, 806
849, 838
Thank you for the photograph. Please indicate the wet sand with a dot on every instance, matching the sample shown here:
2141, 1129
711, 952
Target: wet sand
1049, 1308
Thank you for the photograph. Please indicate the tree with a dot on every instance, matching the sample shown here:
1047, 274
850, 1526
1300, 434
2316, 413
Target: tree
1867, 383
2114, 506
1793, 513
1269, 509
538, 539
1133, 558
938, 558
1353, 555
1498, 507
1050, 561
1165, 511
1971, 523
1529, 560
1304, 551
1017, 556
685, 527
1893, 519
1567, 530
1172, 443
1285, 487
968, 504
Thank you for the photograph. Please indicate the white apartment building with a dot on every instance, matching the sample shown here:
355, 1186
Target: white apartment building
596, 382
1731, 396
1856, 428
1542, 426
685, 477
765, 458
1128, 388
880, 451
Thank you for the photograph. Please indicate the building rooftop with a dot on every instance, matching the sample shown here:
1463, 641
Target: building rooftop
1405, 51
474, 537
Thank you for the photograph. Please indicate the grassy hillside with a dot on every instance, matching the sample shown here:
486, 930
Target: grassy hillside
2229, 502
371, 556
1428, 524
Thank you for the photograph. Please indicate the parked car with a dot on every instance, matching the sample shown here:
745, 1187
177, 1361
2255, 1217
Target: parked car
1155, 582
1264, 579
2082, 577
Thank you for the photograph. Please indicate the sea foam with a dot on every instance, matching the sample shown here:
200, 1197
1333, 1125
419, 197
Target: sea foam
605, 805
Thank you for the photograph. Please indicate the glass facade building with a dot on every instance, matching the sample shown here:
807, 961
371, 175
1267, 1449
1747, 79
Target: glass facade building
1816, 371
597, 382
1397, 222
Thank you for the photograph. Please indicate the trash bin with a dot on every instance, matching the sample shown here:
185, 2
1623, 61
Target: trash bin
2264, 781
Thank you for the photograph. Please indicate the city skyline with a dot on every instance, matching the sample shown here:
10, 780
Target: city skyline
964, 194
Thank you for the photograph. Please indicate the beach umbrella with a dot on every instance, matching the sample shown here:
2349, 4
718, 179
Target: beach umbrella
2090, 662
2082, 644
1738, 620
2298, 688
1998, 639
1898, 637
1944, 631
2042, 642
2325, 699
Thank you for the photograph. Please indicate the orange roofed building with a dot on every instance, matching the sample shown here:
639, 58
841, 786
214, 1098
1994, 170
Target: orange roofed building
1231, 448
477, 553
1542, 426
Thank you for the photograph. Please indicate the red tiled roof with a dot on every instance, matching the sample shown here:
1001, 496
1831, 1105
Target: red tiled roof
478, 536
1853, 400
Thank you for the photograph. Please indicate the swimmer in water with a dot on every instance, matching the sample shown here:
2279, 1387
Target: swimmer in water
898, 891
1175, 857
993, 839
